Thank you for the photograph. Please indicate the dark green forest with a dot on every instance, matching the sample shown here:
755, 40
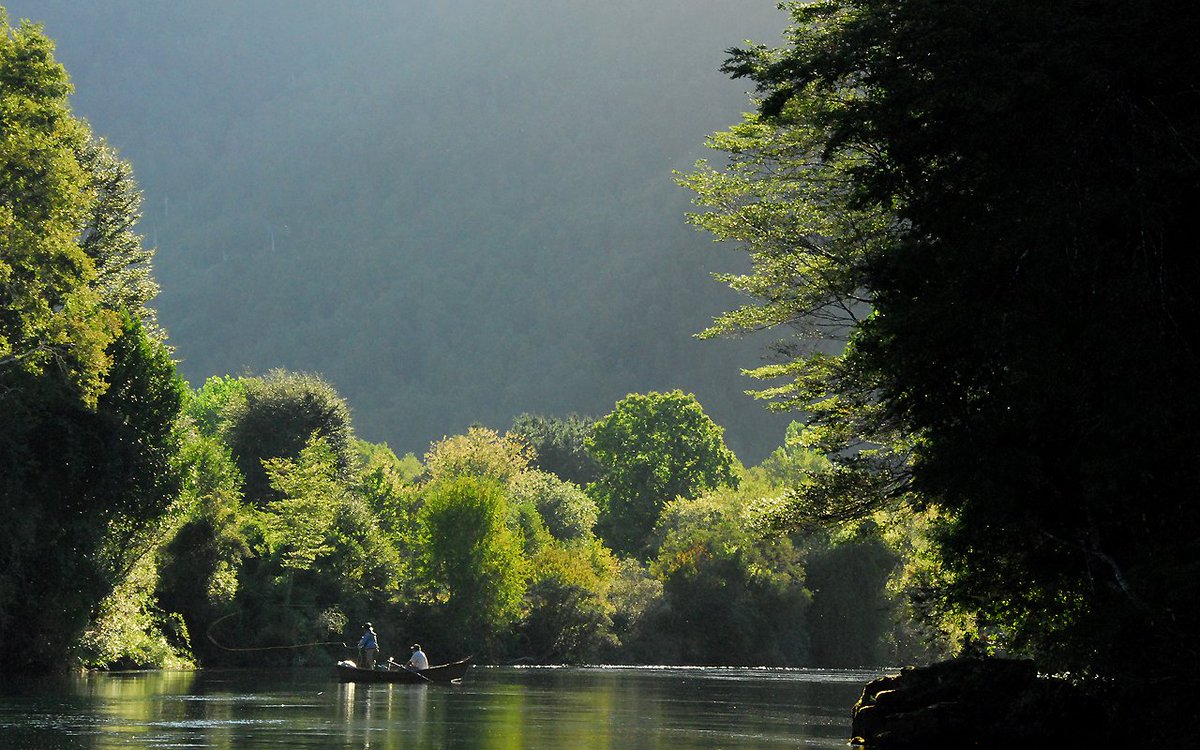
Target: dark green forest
967, 227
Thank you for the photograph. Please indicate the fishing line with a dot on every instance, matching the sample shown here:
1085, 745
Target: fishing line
208, 634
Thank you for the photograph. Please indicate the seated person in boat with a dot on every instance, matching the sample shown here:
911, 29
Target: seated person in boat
417, 660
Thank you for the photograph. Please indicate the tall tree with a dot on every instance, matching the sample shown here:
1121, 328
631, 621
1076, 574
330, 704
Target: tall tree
84, 489
124, 277
653, 448
1025, 172
471, 562
50, 310
89, 399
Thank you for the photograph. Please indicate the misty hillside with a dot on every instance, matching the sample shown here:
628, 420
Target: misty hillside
456, 212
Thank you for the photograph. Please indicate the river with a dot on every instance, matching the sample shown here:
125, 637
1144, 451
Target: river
494, 707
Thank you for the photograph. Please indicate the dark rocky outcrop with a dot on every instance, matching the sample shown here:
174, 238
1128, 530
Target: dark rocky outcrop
976, 703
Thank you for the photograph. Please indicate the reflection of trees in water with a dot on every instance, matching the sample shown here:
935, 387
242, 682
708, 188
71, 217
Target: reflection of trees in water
384, 716
129, 701
554, 709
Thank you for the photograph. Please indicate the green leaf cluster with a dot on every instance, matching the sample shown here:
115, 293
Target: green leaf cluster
653, 448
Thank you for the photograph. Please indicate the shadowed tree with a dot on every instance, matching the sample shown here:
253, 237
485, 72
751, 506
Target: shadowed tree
275, 416
1009, 186
560, 445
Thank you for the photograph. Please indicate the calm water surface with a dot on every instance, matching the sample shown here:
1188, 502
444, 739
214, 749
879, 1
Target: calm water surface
498, 707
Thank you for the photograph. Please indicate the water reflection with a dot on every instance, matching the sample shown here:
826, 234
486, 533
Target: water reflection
383, 716
589, 709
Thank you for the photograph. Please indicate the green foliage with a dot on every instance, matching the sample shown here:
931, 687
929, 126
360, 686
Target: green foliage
363, 560
89, 397
86, 489
634, 595
570, 608
915, 585
728, 597
319, 518
207, 405
482, 452
794, 463
124, 276
51, 314
787, 199
471, 563
560, 445
567, 511
653, 448
142, 403
131, 632
267, 580
387, 484
275, 415
1002, 184
296, 527
406, 469
198, 564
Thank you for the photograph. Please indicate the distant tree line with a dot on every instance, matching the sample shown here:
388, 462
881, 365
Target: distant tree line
480, 546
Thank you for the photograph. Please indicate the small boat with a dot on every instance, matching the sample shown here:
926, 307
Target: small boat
348, 671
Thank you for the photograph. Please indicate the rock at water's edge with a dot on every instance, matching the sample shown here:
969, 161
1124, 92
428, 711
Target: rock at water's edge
975, 702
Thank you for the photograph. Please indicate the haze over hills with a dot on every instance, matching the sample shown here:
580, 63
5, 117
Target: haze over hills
456, 212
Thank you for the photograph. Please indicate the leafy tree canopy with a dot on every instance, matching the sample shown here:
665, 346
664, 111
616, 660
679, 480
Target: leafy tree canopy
50, 310
470, 560
653, 448
88, 393
482, 452
275, 415
568, 512
794, 463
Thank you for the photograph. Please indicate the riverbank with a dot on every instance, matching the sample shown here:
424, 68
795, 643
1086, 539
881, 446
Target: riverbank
978, 702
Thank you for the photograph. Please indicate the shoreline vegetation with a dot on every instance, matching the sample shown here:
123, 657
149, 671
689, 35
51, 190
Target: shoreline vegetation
971, 229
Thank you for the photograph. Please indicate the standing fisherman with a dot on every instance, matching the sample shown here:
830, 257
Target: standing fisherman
368, 646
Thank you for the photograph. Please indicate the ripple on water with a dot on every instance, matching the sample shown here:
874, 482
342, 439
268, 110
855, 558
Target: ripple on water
213, 723
791, 674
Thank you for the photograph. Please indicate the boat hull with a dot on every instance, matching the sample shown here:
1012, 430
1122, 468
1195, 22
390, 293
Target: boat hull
347, 671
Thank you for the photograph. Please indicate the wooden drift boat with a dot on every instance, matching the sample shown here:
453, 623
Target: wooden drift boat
348, 671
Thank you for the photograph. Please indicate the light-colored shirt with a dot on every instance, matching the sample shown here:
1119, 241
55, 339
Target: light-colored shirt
418, 660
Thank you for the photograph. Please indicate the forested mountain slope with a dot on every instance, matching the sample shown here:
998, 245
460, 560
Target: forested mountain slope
456, 212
